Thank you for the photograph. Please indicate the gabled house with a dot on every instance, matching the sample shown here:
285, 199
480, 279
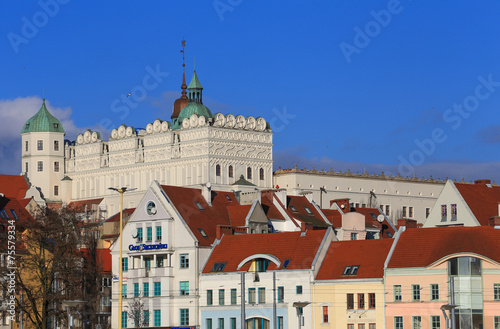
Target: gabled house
165, 243
434, 269
349, 287
262, 279
463, 204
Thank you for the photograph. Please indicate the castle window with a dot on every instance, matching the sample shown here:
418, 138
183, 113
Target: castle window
26, 143
40, 165
26, 167
39, 145
56, 190
56, 145
249, 173
230, 172
56, 166
261, 173
217, 170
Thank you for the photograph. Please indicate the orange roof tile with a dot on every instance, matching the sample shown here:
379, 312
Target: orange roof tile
205, 220
369, 255
300, 203
127, 212
80, 205
299, 249
270, 209
13, 186
481, 199
420, 247
238, 214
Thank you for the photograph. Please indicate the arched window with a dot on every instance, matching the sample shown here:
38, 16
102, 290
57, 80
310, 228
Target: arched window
230, 172
217, 170
261, 173
249, 173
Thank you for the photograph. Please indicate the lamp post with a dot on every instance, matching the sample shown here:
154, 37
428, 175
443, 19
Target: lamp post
120, 265
300, 306
321, 191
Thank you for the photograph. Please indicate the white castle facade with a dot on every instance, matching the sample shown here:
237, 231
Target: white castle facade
195, 148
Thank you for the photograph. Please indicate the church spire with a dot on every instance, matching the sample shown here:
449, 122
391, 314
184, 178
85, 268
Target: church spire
184, 86
183, 100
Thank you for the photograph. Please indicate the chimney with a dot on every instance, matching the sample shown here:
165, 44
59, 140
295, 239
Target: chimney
281, 195
306, 226
408, 223
206, 192
342, 203
221, 230
308, 195
482, 181
494, 221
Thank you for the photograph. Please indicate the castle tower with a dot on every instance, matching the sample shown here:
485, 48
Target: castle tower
43, 153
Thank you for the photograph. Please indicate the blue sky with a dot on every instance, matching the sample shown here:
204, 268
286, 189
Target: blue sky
408, 86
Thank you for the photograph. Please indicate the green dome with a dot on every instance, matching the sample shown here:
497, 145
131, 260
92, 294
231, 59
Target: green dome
190, 109
43, 121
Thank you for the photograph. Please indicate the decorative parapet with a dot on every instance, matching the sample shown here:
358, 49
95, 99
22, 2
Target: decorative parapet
88, 137
364, 175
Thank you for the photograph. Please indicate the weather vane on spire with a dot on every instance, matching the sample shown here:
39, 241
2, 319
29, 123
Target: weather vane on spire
182, 51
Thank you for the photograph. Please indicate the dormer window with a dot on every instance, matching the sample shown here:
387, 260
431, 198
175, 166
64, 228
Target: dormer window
199, 205
285, 264
56, 125
218, 267
351, 270
203, 234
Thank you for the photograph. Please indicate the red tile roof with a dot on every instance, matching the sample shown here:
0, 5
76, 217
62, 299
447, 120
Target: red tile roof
238, 214
207, 220
481, 199
10, 205
270, 209
301, 250
13, 186
104, 257
127, 212
80, 205
420, 247
369, 255
301, 214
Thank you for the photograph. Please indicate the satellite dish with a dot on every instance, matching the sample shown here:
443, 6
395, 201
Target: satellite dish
209, 185
380, 218
134, 233
342, 206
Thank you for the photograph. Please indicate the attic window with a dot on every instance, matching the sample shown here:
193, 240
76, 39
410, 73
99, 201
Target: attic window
56, 125
309, 212
218, 267
203, 234
293, 209
13, 212
351, 270
228, 198
3, 214
27, 125
199, 205
285, 264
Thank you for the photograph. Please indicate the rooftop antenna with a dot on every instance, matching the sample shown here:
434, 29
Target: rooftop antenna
184, 85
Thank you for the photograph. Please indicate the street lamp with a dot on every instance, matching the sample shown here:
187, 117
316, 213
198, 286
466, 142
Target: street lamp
321, 191
449, 321
120, 265
299, 306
